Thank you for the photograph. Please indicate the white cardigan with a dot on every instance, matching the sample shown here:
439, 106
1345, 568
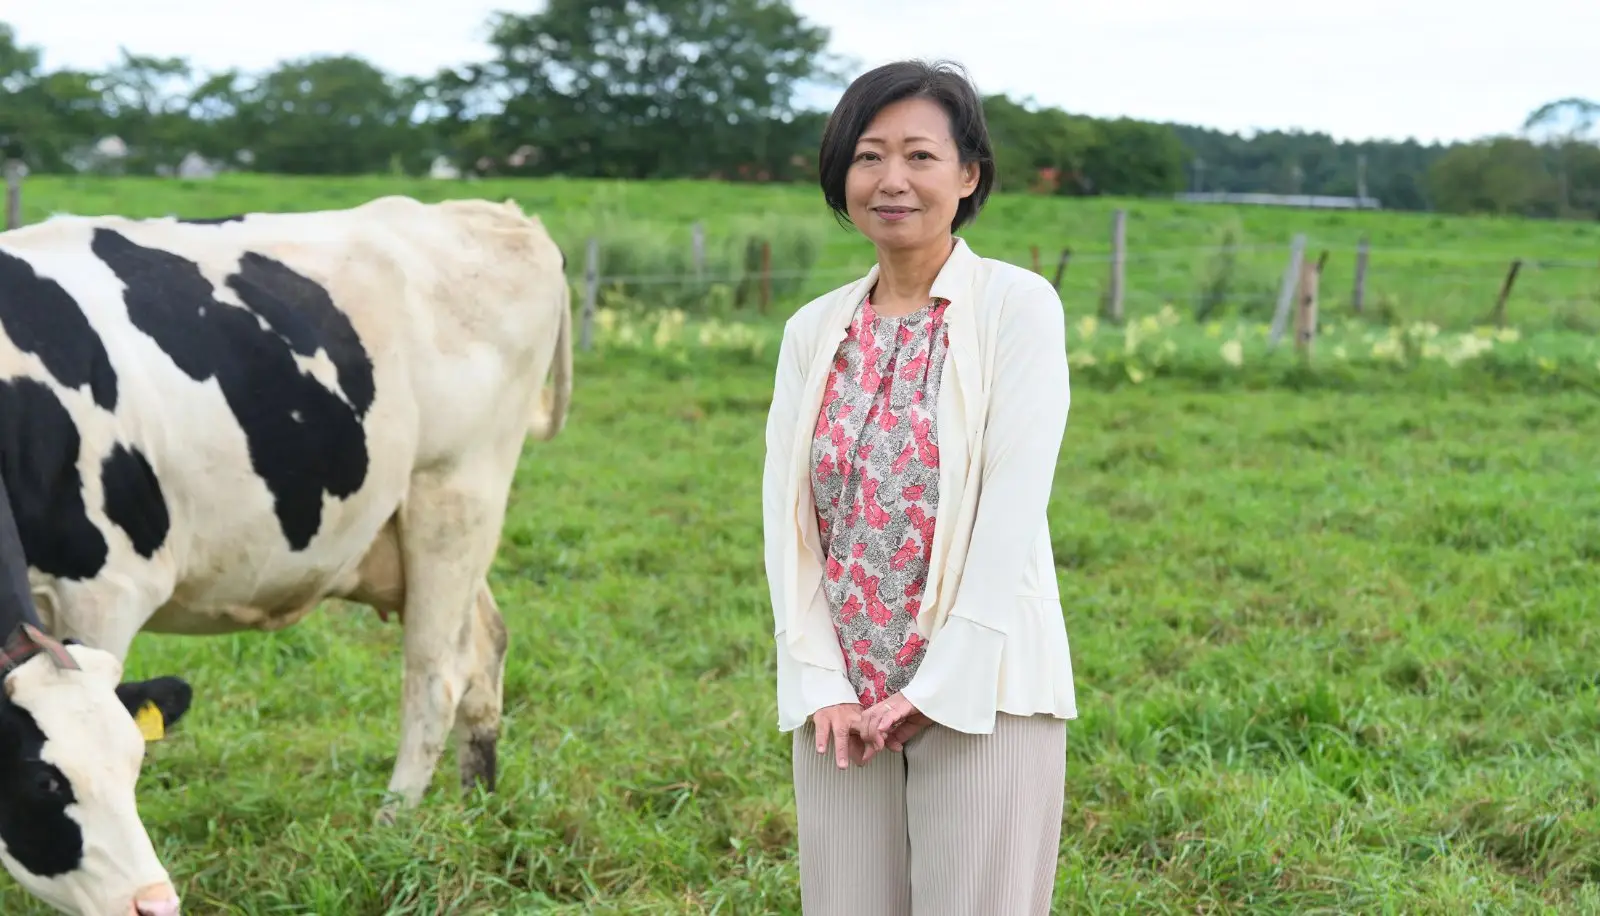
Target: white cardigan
992, 611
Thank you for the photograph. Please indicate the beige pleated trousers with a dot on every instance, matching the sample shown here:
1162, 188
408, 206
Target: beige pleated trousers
956, 825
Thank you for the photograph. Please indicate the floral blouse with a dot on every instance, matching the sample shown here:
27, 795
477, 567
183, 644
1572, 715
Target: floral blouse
875, 486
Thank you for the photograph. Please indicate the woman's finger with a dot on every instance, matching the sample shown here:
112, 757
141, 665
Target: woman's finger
841, 743
880, 727
883, 718
906, 731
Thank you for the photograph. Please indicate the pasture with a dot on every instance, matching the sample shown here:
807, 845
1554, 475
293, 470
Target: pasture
1445, 270
1330, 628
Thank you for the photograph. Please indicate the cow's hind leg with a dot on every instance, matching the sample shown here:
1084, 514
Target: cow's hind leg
449, 530
478, 716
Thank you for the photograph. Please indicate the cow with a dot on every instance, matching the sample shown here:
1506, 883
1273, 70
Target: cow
95, 857
214, 426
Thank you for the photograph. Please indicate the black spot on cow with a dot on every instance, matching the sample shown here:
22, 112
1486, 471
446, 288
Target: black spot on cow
43, 319
304, 314
34, 796
134, 501
304, 439
211, 220
39, 447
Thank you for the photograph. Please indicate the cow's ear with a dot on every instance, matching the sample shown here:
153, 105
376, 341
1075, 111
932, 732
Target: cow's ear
156, 704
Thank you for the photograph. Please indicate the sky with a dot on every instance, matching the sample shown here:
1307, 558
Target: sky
1430, 69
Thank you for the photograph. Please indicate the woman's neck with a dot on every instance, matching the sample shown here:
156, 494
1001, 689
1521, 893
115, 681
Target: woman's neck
906, 275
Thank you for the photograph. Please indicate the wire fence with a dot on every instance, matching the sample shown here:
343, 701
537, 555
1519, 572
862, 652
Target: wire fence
1451, 288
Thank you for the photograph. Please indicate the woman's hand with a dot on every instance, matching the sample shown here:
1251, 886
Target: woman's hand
889, 720
842, 723
896, 740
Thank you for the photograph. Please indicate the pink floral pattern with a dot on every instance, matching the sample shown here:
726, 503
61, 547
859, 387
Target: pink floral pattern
875, 486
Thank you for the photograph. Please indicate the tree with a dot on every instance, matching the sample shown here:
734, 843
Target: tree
44, 116
645, 88
1043, 149
1136, 157
1567, 126
329, 115
146, 103
1505, 175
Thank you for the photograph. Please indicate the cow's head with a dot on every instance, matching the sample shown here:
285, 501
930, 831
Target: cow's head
72, 740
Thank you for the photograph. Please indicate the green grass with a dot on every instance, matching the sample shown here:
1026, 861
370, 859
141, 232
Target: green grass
1424, 267
1333, 653
1349, 356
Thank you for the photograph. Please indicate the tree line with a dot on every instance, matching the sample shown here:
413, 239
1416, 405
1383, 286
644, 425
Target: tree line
706, 89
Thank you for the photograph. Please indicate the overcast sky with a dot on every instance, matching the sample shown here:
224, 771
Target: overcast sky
1432, 69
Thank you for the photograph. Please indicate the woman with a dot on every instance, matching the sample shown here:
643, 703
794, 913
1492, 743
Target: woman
915, 424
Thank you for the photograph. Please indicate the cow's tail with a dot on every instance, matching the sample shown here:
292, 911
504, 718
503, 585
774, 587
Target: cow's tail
555, 398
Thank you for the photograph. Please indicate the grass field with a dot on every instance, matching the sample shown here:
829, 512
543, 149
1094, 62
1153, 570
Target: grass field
1446, 270
1333, 655
1331, 630
1349, 355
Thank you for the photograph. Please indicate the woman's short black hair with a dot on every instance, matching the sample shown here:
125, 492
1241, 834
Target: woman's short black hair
943, 82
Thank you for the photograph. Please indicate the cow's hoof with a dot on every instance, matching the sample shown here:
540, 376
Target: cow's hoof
388, 813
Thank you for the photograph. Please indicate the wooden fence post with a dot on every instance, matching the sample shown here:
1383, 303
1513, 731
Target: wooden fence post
1286, 291
1358, 298
766, 275
13, 170
1119, 246
1305, 316
1505, 292
1061, 267
699, 230
591, 291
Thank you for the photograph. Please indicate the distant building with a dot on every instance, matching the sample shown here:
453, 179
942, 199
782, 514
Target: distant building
195, 165
1313, 201
443, 169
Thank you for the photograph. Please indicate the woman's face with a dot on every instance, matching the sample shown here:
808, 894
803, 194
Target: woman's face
907, 177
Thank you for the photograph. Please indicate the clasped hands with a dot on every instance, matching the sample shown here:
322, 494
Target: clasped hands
860, 734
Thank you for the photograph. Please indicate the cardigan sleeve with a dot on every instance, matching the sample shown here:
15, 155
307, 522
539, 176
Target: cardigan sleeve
957, 682
776, 533
802, 688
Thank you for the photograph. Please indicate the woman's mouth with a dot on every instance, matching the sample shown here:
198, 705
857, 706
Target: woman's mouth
893, 213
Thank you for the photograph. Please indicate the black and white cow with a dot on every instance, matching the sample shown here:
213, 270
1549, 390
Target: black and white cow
69, 758
213, 426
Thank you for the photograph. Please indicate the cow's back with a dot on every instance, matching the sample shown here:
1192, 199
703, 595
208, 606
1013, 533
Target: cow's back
467, 293
250, 397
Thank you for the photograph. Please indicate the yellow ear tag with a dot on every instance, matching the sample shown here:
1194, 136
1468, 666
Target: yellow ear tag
150, 721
